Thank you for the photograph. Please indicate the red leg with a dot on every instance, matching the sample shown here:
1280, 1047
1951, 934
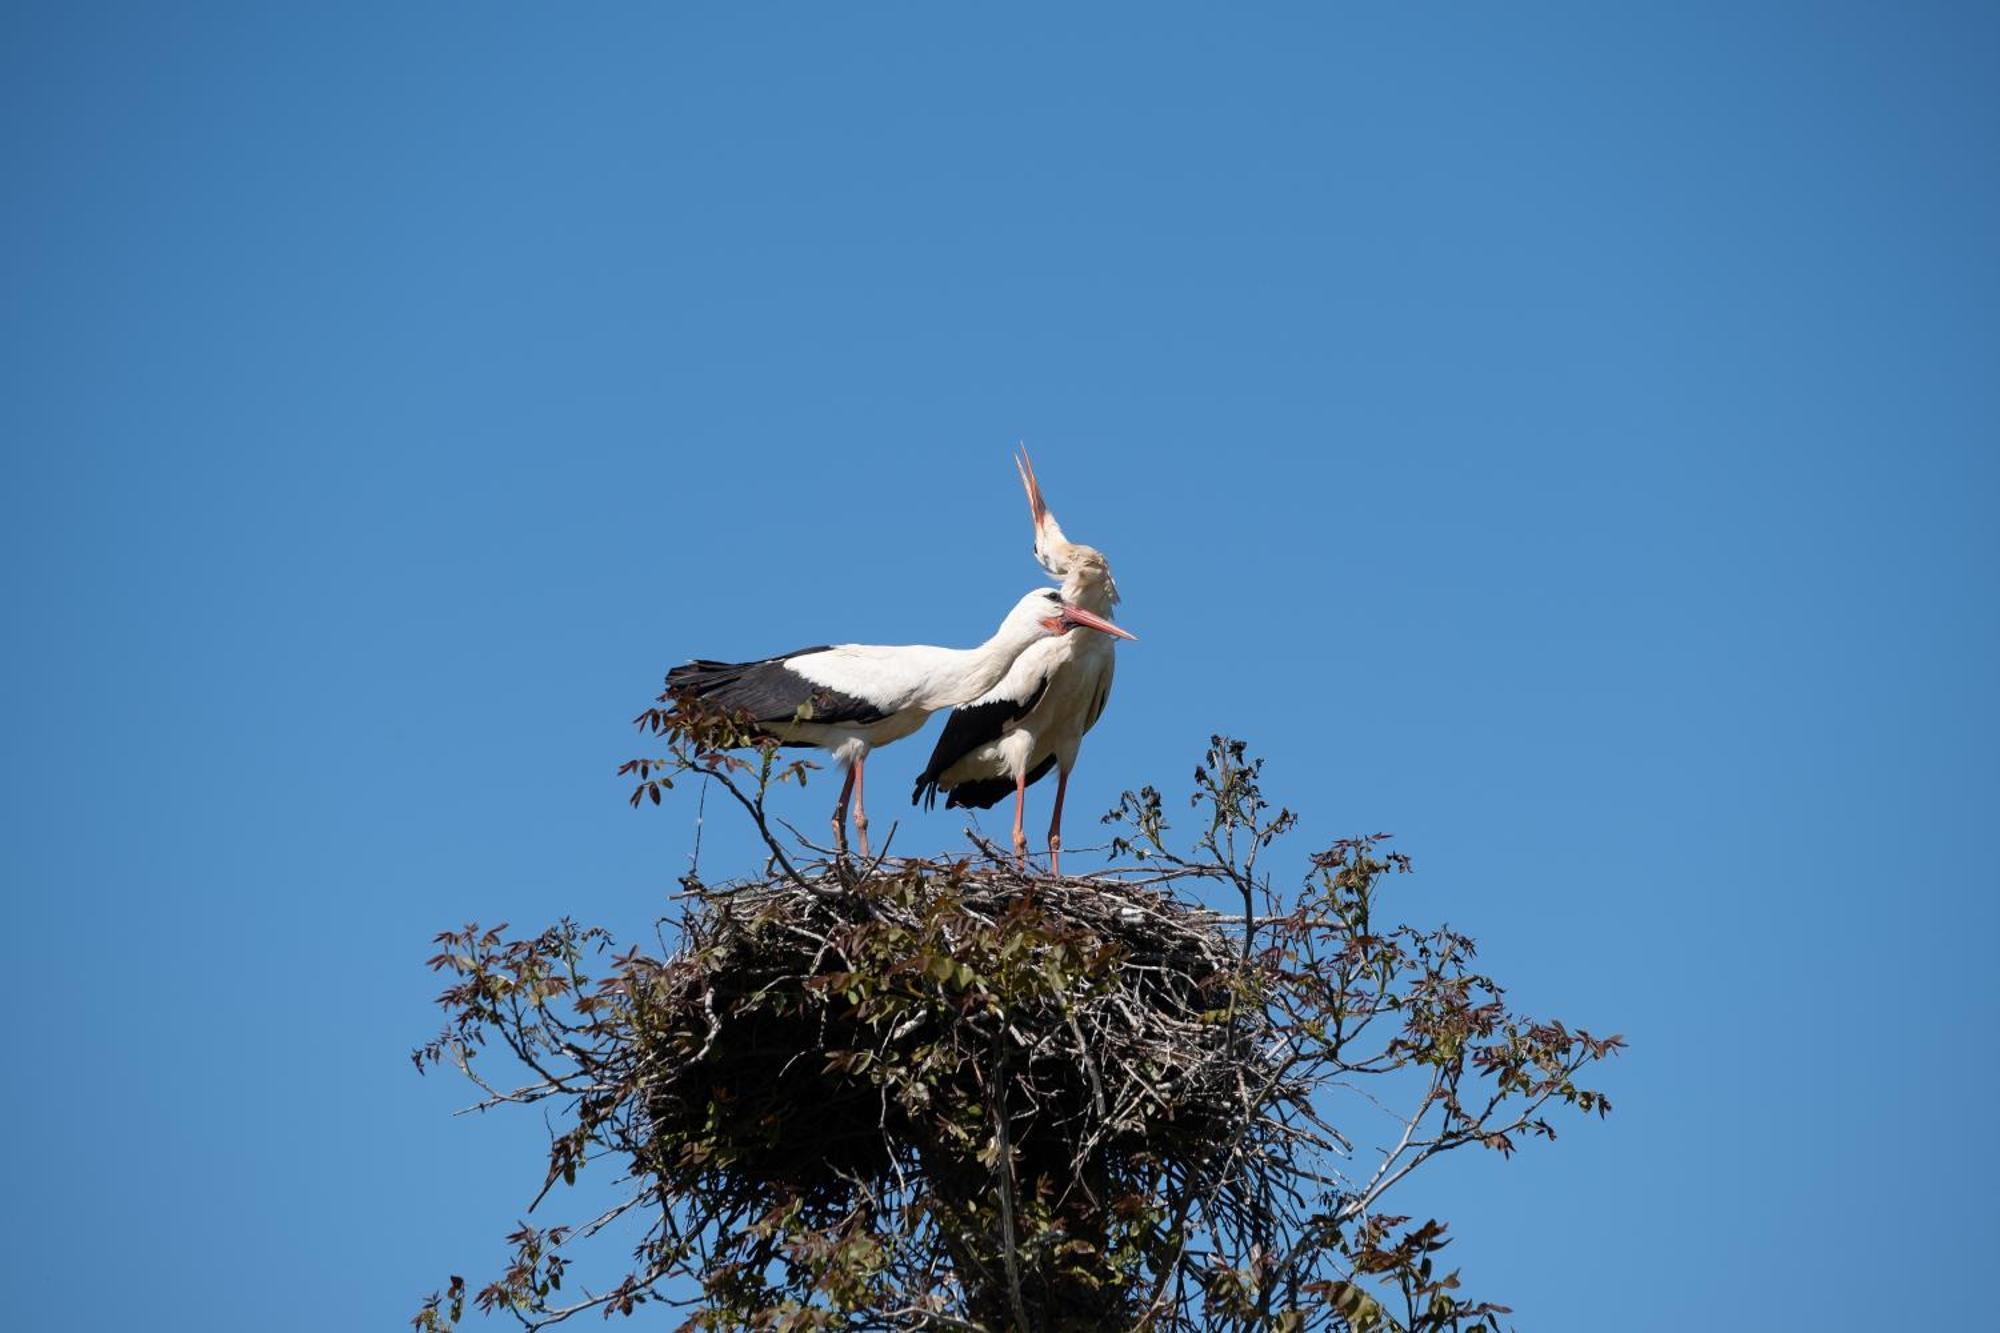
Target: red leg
840, 813
1055, 823
1020, 805
860, 815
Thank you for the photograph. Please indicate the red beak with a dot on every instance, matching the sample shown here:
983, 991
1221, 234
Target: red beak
1036, 505
1076, 615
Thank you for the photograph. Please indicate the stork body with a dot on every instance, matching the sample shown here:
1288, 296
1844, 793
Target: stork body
849, 698
1034, 720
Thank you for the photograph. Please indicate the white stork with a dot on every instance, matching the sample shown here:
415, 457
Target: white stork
1034, 719
850, 698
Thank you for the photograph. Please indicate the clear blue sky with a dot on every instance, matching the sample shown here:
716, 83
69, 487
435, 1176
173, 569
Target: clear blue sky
1564, 435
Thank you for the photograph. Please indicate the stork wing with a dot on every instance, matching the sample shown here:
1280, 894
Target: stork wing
981, 722
773, 689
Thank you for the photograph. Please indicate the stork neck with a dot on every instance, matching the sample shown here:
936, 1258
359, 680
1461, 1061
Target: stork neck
1087, 583
1093, 595
980, 669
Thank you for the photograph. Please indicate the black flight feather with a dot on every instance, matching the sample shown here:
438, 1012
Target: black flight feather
985, 793
769, 691
966, 730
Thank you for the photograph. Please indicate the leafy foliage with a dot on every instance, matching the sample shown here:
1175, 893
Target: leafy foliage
954, 1094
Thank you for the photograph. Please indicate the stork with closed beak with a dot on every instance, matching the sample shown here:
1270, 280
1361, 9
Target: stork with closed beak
1035, 718
850, 698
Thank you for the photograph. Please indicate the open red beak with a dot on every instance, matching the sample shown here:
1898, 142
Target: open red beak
1035, 503
1076, 615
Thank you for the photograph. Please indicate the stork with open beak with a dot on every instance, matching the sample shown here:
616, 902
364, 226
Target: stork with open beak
850, 698
1035, 718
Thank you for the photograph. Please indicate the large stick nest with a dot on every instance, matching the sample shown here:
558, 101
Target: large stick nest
816, 1034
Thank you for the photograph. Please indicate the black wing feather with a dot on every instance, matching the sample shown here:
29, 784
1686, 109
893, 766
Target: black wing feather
985, 793
769, 691
966, 730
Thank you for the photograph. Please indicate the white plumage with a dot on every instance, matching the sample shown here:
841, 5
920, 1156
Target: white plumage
849, 698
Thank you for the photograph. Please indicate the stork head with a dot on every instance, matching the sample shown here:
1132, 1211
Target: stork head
1085, 574
1046, 612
